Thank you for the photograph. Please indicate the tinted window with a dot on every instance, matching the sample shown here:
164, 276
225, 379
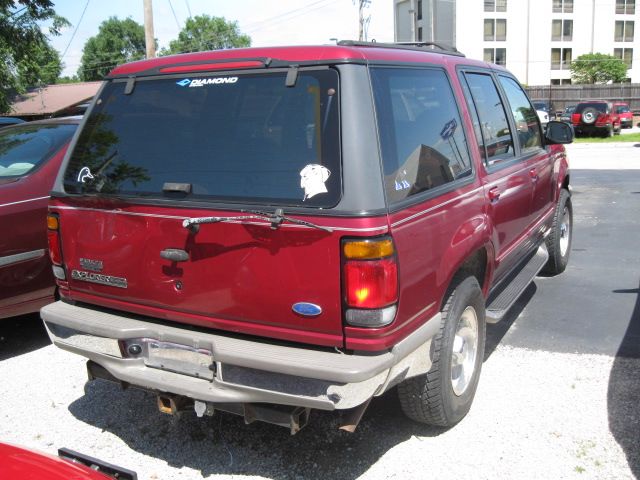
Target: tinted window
245, 139
496, 135
599, 106
622, 109
24, 148
421, 134
524, 115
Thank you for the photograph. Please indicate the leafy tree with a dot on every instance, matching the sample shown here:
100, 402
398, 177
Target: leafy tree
204, 32
118, 41
598, 68
26, 58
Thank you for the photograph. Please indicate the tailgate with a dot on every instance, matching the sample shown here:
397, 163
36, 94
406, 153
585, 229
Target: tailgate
240, 276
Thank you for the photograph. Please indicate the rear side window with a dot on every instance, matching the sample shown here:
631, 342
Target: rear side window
525, 117
482, 95
248, 138
24, 148
421, 135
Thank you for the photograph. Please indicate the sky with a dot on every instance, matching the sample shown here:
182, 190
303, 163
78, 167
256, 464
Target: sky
268, 23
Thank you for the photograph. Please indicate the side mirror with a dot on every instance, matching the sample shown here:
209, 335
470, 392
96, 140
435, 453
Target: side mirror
558, 132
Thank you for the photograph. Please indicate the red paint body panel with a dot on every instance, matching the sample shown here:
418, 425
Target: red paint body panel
19, 463
28, 285
241, 277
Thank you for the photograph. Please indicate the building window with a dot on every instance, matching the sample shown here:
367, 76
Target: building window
558, 81
560, 58
495, 5
495, 55
627, 7
419, 9
625, 54
495, 29
624, 31
419, 34
562, 6
561, 30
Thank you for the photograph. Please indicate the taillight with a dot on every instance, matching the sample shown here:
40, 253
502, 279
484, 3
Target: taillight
55, 248
370, 281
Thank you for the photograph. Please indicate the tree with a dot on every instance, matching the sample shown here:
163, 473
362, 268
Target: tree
203, 32
598, 68
117, 42
26, 57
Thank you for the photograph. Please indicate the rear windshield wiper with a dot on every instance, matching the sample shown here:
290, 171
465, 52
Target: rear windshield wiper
276, 219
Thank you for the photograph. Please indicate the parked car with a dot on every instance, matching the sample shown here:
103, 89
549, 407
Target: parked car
30, 156
566, 114
623, 111
543, 117
273, 230
596, 117
7, 121
545, 106
21, 463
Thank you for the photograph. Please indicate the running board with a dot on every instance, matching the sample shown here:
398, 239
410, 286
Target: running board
500, 304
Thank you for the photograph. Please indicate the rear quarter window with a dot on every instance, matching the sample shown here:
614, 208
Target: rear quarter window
421, 135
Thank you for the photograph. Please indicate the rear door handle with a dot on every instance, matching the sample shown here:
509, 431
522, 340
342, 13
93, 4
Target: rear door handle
494, 194
174, 254
533, 173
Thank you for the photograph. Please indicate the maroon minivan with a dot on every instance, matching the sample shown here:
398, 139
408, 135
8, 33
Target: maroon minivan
30, 156
273, 230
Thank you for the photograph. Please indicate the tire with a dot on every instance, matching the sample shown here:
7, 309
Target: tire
608, 133
618, 131
559, 240
444, 395
589, 115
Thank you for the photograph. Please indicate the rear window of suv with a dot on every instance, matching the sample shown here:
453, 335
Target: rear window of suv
246, 138
599, 106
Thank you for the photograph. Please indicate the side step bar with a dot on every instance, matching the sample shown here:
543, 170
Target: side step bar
501, 301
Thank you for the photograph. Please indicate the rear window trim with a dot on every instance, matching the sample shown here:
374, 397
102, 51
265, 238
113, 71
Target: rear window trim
59, 188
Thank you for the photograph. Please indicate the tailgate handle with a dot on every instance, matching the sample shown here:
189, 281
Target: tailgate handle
174, 254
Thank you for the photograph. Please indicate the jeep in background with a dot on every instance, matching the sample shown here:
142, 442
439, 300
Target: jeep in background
596, 117
269, 231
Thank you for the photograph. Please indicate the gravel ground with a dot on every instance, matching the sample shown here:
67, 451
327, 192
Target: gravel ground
536, 415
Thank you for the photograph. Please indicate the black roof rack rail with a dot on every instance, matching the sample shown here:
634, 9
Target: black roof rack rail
421, 46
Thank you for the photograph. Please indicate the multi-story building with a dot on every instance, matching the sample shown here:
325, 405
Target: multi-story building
535, 39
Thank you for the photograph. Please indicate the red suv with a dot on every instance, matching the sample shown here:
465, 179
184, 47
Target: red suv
596, 116
624, 113
273, 230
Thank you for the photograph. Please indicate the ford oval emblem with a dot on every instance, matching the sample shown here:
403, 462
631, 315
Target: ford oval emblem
307, 309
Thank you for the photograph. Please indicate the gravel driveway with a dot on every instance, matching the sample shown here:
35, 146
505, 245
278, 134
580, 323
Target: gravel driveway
538, 414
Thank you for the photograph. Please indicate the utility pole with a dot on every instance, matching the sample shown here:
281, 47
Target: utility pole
363, 22
149, 39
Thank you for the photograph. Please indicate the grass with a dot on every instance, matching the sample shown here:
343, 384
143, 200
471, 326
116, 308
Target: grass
627, 137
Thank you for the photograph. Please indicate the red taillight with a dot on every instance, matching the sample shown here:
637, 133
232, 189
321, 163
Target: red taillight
53, 236
575, 118
371, 283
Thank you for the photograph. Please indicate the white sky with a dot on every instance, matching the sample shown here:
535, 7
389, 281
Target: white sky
281, 22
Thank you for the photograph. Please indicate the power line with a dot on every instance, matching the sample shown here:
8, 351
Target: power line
188, 8
174, 15
75, 30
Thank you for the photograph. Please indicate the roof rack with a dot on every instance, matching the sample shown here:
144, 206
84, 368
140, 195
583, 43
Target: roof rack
421, 46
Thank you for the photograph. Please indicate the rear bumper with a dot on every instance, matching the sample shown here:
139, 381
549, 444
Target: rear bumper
246, 371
